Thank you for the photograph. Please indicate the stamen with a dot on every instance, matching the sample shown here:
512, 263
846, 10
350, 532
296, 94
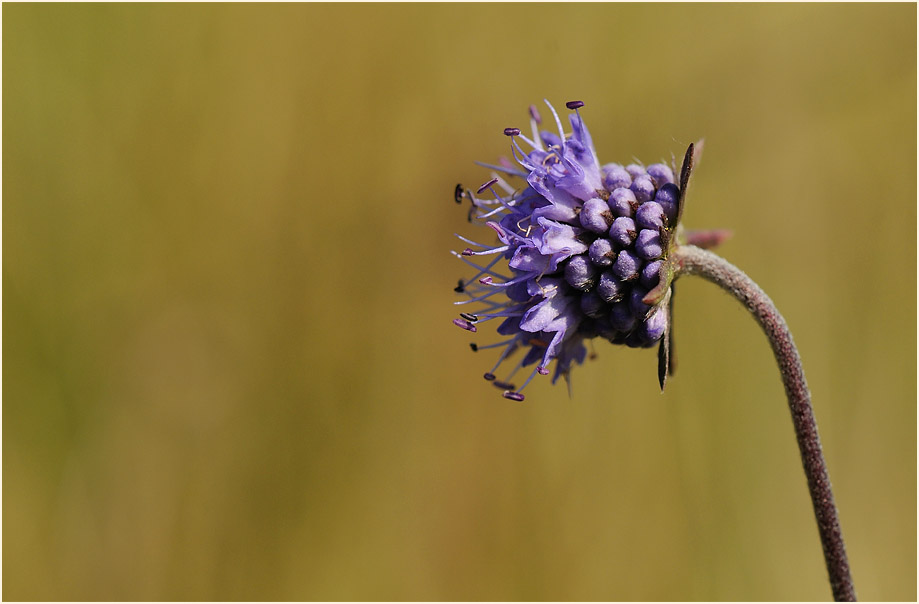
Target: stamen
524, 161
535, 120
469, 241
529, 379
480, 298
482, 270
514, 396
504, 385
486, 186
575, 105
499, 210
511, 131
508, 282
495, 345
534, 113
558, 122
510, 349
469, 317
530, 143
542, 370
507, 188
458, 194
463, 324
513, 312
490, 377
509, 169
546, 358
461, 287
497, 250
473, 346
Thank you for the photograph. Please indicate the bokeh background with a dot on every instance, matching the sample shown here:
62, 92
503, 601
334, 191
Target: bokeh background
229, 367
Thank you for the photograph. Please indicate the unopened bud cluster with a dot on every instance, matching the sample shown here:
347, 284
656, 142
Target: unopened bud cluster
626, 230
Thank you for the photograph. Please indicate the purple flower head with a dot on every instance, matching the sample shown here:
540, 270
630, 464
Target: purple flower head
577, 251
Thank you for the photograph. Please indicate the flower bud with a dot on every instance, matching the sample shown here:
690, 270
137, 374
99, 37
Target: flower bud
661, 174
622, 202
580, 273
650, 215
596, 216
648, 244
615, 176
601, 252
643, 187
623, 232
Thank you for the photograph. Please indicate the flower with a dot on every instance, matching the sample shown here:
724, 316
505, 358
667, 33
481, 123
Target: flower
582, 251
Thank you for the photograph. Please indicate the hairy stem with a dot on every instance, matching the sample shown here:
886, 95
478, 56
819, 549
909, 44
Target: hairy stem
692, 260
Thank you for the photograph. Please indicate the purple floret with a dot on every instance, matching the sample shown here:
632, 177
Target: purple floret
615, 176
627, 265
601, 252
668, 197
580, 273
636, 170
610, 288
669, 193
622, 202
643, 187
650, 274
595, 215
660, 174
648, 245
650, 215
638, 308
623, 232
653, 328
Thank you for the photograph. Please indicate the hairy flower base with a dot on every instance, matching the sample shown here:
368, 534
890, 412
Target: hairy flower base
580, 248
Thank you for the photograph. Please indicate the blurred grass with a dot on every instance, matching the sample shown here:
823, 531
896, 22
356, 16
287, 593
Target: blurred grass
229, 368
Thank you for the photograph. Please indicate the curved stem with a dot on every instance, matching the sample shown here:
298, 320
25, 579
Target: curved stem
695, 261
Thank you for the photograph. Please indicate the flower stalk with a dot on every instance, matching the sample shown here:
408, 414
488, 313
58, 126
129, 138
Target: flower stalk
691, 260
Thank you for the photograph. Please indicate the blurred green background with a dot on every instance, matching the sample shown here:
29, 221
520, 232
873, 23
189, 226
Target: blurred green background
229, 366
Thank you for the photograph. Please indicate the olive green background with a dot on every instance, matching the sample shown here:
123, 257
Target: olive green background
229, 366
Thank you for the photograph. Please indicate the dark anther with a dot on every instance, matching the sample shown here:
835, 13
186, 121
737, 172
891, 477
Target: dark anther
511, 131
460, 287
514, 396
463, 324
490, 377
488, 184
574, 104
469, 317
504, 385
458, 194
474, 346
468, 252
